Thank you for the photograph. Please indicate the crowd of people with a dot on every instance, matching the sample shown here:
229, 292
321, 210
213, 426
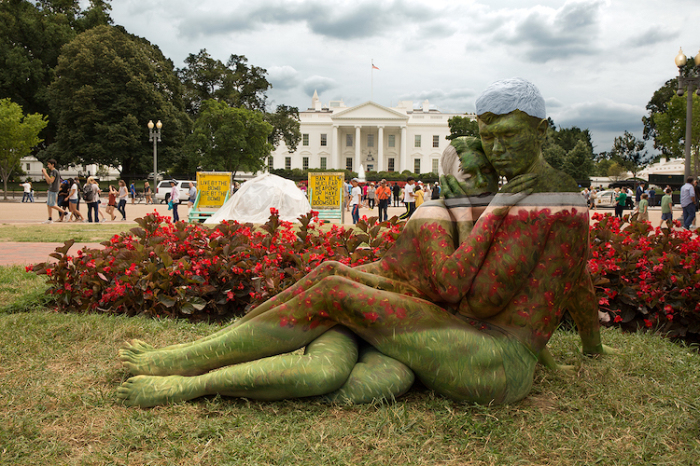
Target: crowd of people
370, 195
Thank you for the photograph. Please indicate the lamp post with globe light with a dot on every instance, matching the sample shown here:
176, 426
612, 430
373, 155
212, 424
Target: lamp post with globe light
154, 135
688, 83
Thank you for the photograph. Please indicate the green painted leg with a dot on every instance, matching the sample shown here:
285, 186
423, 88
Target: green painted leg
374, 377
323, 368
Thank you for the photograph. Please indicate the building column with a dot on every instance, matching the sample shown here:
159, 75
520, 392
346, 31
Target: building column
380, 149
358, 154
402, 156
334, 162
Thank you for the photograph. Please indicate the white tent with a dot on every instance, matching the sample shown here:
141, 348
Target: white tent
252, 202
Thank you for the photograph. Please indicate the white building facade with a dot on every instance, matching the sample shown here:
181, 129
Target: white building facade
379, 138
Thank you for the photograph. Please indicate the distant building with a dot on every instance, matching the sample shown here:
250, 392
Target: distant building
32, 167
406, 137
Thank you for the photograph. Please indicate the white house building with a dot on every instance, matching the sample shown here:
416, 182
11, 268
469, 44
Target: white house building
32, 167
379, 138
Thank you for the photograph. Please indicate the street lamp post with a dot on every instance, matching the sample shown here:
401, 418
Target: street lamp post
688, 83
155, 137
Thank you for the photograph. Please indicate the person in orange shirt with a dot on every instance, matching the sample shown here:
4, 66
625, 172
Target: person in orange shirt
383, 194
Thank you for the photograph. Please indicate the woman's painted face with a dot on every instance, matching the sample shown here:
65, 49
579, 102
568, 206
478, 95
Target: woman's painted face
479, 176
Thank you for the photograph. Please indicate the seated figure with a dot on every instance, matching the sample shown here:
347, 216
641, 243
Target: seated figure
471, 329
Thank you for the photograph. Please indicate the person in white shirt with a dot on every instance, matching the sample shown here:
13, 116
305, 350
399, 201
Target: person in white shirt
175, 199
355, 200
408, 198
27, 196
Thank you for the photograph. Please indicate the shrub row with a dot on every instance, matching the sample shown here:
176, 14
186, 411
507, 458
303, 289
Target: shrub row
187, 270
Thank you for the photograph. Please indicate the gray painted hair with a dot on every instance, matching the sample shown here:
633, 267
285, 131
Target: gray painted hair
451, 163
508, 95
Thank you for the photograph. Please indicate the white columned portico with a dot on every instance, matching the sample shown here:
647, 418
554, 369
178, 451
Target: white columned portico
402, 156
380, 148
335, 163
358, 153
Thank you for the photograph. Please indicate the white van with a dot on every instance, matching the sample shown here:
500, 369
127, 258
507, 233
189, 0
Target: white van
164, 188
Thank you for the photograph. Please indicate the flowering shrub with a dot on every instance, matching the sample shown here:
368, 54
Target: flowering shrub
187, 270
646, 277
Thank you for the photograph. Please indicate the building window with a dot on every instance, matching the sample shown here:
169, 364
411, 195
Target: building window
435, 165
370, 140
270, 164
436, 141
348, 163
416, 166
28, 165
324, 139
305, 163
416, 142
391, 164
323, 163
392, 140
305, 139
287, 163
348, 140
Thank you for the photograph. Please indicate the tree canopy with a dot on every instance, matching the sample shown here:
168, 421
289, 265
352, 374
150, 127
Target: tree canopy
629, 152
31, 38
229, 138
670, 128
569, 150
18, 135
108, 85
462, 126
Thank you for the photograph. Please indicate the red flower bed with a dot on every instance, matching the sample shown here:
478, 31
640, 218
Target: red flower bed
646, 277
187, 270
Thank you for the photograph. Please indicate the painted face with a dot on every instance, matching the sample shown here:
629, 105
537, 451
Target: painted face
479, 176
511, 144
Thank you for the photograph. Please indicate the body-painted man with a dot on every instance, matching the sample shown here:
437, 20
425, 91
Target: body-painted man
506, 280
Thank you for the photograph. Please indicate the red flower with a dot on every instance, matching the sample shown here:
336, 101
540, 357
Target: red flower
618, 319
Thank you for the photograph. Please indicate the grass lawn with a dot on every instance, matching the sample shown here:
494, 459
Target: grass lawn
58, 233
58, 375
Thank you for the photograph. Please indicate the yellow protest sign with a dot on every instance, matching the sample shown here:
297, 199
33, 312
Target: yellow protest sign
326, 190
213, 188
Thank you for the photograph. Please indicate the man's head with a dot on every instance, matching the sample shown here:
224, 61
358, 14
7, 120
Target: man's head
354, 182
511, 116
690, 180
51, 163
410, 180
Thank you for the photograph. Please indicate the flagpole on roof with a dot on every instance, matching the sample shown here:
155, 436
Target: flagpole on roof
372, 83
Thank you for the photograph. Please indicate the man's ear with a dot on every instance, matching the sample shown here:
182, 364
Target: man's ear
542, 127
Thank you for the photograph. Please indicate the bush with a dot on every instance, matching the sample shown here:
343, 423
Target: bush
646, 277
188, 270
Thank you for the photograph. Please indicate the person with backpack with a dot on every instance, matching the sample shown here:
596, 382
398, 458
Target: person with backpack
91, 195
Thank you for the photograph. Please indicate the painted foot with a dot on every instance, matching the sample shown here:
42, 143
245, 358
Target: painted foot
147, 391
143, 359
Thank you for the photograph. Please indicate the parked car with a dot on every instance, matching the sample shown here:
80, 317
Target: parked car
607, 199
164, 188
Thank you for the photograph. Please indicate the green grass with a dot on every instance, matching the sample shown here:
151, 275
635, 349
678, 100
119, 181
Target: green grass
58, 375
58, 233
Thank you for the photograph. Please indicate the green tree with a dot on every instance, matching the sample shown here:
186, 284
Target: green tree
629, 152
31, 38
555, 155
579, 161
285, 124
108, 85
229, 138
19, 133
670, 128
462, 126
616, 171
235, 83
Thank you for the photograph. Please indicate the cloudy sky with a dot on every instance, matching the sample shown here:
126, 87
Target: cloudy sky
597, 62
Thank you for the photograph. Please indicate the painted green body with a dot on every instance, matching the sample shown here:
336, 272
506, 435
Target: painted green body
466, 300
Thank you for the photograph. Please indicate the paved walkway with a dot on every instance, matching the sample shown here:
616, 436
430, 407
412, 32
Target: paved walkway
15, 253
